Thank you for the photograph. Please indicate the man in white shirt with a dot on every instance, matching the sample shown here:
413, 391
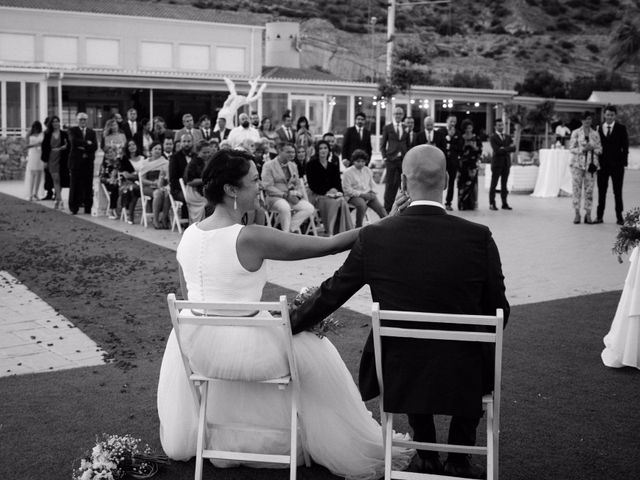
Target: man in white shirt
243, 132
359, 188
131, 126
428, 135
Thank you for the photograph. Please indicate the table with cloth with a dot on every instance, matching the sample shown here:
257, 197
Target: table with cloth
554, 175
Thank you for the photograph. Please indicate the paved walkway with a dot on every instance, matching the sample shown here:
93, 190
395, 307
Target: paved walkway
544, 256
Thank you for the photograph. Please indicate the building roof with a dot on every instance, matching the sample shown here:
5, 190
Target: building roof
615, 98
288, 73
138, 8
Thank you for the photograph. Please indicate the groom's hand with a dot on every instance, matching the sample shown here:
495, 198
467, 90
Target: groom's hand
402, 202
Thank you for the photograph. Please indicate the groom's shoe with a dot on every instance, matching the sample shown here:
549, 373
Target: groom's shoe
462, 467
429, 465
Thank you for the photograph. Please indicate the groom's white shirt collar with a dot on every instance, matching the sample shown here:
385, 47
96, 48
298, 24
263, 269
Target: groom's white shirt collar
430, 203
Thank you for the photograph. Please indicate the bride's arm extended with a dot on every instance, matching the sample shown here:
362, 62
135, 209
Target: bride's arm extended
270, 243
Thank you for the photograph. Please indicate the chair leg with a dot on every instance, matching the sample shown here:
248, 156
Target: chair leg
490, 443
293, 452
202, 420
388, 440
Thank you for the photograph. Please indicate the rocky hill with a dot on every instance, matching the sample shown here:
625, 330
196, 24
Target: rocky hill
500, 39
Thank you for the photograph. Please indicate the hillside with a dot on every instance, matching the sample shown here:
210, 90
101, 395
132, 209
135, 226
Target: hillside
501, 39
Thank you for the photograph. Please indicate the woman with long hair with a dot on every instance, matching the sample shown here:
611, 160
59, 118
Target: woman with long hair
110, 178
304, 138
468, 176
323, 177
113, 137
55, 150
130, 164
35, 166
144, 137
155, 184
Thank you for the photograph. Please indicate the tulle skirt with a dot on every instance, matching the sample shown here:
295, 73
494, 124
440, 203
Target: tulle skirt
339, 432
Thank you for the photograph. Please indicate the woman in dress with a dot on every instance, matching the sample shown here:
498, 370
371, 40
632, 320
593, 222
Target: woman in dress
586, 148
267, 130
35, 166
113, 137
55, 150
193, 194
324, 182
301, 160
110, 178
223, 260
468, 177
155, 181
304, 138
143, 137
130, 164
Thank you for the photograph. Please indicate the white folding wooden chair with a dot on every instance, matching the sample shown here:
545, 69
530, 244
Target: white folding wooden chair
176, 210
107, 203
490, 402
146, 203
182, 313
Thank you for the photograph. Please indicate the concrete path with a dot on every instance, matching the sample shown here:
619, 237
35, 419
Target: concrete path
544, 255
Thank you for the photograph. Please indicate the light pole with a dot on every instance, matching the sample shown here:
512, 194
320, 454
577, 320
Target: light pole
373, 53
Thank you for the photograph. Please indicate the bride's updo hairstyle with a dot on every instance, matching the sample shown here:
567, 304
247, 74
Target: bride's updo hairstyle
227, 167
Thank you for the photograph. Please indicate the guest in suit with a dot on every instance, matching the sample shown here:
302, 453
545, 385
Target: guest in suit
283, 188
585, 147
160, 130
188, 127
221, 132
285, 131
55, 151
168, 148
204, 123
393, 146
83, 144
449, 140
131, 126
356, 138
177, 165
409, 128
428, 135
446, 265
502, 146
615, 154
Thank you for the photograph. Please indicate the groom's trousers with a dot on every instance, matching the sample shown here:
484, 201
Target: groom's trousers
462, 431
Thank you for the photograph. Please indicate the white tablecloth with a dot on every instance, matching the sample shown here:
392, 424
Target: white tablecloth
554, 174
623, 340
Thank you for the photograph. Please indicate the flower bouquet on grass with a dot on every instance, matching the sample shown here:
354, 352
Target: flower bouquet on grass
115, 457
629, 234
321, 329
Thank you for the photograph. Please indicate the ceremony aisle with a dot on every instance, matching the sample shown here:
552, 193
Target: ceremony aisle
564, 415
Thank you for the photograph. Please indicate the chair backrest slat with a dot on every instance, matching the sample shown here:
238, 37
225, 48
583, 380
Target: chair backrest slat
438, 334
213, 321
438, 318
228, 306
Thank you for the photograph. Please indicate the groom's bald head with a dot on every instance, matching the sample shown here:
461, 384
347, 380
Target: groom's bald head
424, 172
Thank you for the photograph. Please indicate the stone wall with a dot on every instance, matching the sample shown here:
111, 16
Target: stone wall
11, 158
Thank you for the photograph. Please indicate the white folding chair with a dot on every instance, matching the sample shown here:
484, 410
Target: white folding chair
146, 203
107, 202
490, 402
176, 209
198, 313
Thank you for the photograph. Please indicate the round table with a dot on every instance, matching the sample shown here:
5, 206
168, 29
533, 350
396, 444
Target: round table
554, 175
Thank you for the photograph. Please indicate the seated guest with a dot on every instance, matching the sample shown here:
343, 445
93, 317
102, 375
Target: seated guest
193, 182
248, 145
261, 154
113, 137
225, 145
243, 132
177, 164
302, 158
359, 188
155, 184
167, 148
160, 130
266, 129
283, 189
110, 178
130, 164
143, 137
324, 182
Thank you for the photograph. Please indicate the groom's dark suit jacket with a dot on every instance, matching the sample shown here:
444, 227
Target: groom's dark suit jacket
421, 260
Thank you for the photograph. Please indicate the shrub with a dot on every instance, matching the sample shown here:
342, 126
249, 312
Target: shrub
468, 79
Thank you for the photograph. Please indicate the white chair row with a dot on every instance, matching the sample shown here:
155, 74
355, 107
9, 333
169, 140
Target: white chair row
180, 312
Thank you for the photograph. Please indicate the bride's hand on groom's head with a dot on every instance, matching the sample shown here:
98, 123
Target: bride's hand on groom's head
402, 202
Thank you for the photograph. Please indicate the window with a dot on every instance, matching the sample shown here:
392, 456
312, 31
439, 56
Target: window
156, 55
33, 103
17, 48
61, 50
13, 105
230, 59
273, 106
103, 52
194, 57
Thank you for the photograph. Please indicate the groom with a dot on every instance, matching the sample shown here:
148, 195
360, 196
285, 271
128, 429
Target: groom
440, 264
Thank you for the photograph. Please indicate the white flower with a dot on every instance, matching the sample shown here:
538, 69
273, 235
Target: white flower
87, 475
304, 290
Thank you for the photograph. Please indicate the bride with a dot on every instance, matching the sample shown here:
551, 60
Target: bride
222, 260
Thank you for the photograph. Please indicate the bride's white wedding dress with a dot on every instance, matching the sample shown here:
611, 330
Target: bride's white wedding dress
339, 431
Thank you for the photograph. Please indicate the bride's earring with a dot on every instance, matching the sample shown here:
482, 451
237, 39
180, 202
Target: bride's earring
235, 203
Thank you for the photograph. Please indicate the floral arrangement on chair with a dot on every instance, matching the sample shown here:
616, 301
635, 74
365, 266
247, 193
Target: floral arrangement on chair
115, 457
629, 234
321, 329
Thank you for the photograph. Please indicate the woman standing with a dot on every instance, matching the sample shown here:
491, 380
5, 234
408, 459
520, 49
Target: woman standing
55, 149
35, 165
324, 181
586, 147
468, 177
266, 129
143, 137
304, 138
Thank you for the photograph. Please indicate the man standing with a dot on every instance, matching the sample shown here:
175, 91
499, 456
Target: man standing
356, 138
177, 164
409, 125
255, 120
83, 144
283, 188
449, 140
446, 265
131, 126
243, 132
428, 135
285, 131
221, 132
614, 158
502, 146
393, 146
188, 127
205, 127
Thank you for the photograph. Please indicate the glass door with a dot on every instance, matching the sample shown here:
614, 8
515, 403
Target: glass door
311, 107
